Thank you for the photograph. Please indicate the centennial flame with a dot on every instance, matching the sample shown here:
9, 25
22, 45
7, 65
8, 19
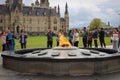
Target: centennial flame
63, 41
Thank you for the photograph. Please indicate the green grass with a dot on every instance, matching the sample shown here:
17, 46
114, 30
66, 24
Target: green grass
41, 42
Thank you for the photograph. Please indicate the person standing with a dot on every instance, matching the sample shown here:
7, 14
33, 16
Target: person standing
102, 37
58, 36
57, 40
95, 37
23, 40
115, 38
70, 35
10, 40
3, 40
49, 38
119, 40
76, 37
85, 37
90, 39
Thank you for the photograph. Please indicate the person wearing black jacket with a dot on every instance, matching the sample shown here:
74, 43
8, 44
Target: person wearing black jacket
95, 37
101, 37
85, 37
49, 39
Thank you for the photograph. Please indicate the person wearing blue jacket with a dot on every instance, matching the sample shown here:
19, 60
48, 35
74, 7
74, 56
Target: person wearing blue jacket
23, 40
10, 41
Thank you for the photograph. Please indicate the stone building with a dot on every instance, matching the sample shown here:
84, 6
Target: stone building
37, 18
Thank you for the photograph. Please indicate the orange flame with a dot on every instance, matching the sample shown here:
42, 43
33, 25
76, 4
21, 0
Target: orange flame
63, 41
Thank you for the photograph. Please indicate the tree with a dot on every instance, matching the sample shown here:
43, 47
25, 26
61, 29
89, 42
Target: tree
95, 24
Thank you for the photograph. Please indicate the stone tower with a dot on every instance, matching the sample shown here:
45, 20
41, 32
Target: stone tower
44, 3
15, 11
12, 4
58, 10
66, 17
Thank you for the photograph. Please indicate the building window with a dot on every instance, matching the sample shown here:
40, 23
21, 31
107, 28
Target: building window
55, 21
55, 28
1, 27
16, 11
45, 22
44, 13
23, 20
30, 21
30, 13
38, 21
17, 19
30, 29
37, 13
38, 29
1, 20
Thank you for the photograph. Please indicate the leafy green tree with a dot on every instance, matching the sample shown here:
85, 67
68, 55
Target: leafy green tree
95, 24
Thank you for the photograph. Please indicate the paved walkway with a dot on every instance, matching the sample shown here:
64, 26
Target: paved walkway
6, 74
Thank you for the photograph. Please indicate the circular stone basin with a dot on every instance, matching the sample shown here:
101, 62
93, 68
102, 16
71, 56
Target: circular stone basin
63, 61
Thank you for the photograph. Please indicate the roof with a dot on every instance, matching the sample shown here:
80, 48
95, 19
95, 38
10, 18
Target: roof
38, 11
4, 9
27, 10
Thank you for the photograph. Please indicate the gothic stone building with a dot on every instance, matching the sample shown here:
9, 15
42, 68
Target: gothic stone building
37, 18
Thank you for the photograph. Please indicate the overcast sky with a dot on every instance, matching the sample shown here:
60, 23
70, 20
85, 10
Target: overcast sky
81, 12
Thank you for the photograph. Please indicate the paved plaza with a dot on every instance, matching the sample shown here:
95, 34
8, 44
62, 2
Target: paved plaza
6, 74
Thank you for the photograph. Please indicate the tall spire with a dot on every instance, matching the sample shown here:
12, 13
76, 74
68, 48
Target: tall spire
66, 9
58, 10
66, 17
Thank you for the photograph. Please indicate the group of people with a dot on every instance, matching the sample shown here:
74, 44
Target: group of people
89, 36
93, 35
8, 42
7, 39
73, 38
73, 35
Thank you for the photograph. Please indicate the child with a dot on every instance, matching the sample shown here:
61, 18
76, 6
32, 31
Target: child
90, 39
